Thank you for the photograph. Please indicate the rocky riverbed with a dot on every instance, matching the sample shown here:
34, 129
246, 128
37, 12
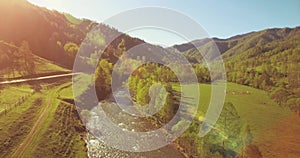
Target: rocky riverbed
98, 149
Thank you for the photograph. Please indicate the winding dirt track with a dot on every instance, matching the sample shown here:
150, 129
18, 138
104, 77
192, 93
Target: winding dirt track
19, 152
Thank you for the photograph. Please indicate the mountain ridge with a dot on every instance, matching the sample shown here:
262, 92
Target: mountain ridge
200, 42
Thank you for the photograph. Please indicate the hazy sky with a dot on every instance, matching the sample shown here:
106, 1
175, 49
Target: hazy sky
221, 18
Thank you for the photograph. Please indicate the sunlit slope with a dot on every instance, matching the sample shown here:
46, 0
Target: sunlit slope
12, 62
270, 124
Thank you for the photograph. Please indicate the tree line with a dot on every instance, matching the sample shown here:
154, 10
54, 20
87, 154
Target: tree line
17, 60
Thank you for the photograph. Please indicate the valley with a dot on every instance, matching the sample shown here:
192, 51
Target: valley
41, 115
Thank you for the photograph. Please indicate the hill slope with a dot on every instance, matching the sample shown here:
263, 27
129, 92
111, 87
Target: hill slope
51, 35
267, 59
12, 63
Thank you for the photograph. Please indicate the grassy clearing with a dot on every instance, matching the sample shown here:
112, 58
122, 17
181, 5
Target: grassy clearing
61, 133
52, 102
83, 81
15, 125
64, 135
72, 19
253, 105
256, 108
46, 66
265, 117
42, 66
67, 92
61, 130
12, 94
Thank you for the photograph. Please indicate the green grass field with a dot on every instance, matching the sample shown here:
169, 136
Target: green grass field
274, 128
67, 92
42, 66
9, 96
45, 66
15, 125
60, 132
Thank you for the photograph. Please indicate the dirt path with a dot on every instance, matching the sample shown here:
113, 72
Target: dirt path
33, 132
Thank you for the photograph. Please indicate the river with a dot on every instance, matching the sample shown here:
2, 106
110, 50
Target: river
98, 149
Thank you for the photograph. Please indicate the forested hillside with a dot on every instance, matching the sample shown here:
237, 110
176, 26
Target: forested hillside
19, 61
51, 35
47, 32
267, 60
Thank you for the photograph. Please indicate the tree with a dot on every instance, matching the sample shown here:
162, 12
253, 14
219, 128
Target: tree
27, 58
15, 58
103, 79
4, 60
280, 95
294, 74
121, 49
142, 96
71, 49
227, 130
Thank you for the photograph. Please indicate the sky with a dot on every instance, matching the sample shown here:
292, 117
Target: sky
220, 18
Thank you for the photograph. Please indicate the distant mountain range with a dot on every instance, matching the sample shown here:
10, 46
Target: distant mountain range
47, 33
243, 45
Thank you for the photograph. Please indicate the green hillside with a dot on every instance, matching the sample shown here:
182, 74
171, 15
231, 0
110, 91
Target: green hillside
263, 116
50, 33
267, 60
13, 63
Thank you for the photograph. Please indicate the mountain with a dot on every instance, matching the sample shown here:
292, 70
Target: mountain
45, 31
51, 35
243, 45
267, 59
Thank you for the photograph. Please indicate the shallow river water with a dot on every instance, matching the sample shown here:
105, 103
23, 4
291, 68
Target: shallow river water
98, 149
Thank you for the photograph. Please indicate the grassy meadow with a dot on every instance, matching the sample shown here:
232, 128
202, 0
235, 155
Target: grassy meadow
41, 122
42, 66
274, 128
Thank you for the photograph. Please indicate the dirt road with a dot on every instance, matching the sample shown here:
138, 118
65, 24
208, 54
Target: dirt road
19, 152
